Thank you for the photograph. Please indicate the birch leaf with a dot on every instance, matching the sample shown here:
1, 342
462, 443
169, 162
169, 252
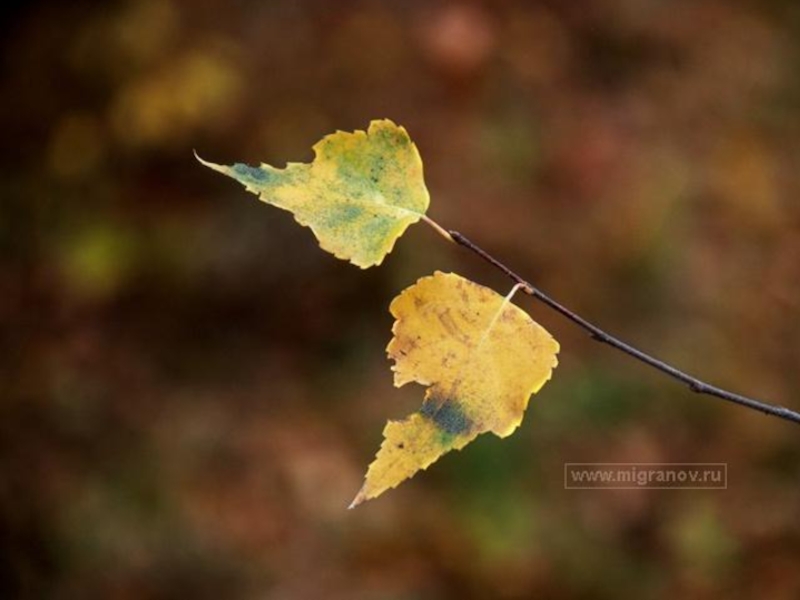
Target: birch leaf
480, 356
358, 196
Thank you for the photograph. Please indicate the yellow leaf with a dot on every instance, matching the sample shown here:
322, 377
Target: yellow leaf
358, 196
480, 356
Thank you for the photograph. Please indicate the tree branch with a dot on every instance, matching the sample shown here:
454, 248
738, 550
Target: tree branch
694, 384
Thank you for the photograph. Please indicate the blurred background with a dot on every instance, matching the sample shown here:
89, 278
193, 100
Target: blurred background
192, 390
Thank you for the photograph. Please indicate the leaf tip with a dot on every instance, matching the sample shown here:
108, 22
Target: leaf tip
360, 497
209, 164
199, 158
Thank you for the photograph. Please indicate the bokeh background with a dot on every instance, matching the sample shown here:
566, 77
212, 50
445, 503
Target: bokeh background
192, 390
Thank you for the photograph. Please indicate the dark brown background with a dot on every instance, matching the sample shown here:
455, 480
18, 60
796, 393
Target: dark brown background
192, 390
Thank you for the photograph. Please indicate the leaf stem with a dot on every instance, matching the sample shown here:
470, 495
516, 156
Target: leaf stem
694, 384
517, 287
438, 228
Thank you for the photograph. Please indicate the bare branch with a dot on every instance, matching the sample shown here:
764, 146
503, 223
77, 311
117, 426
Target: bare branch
694, 384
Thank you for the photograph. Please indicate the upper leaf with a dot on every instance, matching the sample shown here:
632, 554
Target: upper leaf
480, 356
358, 196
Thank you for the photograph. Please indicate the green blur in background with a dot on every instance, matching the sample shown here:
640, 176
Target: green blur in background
192, 390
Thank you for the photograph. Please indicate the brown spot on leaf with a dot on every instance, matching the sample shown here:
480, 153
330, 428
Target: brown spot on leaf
449, 324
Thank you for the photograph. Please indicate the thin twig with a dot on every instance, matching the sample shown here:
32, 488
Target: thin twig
696, 385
